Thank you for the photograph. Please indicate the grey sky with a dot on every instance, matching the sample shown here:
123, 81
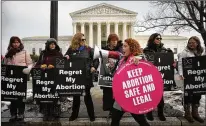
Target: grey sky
32, 18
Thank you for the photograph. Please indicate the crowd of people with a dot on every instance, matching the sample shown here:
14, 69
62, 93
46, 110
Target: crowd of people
17, 55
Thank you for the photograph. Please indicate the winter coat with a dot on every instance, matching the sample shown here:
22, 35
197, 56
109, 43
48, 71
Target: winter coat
87, 53
185, 53
48, 58
155, 48
21, 58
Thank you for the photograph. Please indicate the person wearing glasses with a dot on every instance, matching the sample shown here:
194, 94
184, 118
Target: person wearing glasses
77, 48
154, 45
192, 49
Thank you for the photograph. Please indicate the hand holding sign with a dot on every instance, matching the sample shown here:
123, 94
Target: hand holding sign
50, 66
138, 88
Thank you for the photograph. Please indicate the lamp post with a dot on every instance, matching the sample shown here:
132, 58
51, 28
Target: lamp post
54, 20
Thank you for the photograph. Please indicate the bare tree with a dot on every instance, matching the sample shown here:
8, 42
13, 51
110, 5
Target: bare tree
176, 16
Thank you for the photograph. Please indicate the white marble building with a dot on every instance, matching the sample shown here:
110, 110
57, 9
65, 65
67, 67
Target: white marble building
97, 22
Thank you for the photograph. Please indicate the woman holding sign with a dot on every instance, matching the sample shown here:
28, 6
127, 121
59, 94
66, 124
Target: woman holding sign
154, 45
16, 55
193, 49
46, 61
78, 48
131, 48
113, 45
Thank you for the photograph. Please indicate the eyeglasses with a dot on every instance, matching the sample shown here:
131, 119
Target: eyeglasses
158, 38
83, 39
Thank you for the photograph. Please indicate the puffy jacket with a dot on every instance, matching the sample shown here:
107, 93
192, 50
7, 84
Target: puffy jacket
185, 53
21, 58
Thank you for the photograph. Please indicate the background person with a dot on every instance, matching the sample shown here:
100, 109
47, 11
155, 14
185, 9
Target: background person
192, 49
16, 55
154, 45
46, 60
77, 48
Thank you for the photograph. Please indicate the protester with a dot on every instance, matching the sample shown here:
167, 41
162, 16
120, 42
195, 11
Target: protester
46, 61
77, 48
154, 45
131, 48
16, 55
192, 49
113, 44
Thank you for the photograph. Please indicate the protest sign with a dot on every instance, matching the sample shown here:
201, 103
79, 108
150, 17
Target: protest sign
194, 72
138, 88
13, 82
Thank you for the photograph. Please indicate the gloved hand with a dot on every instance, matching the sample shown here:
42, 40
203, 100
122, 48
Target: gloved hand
43, 66
27, 70
50, 66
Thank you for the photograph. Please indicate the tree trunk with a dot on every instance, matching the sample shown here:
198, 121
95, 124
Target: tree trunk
204, 38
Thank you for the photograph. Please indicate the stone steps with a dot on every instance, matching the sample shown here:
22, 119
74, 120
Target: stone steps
125, 121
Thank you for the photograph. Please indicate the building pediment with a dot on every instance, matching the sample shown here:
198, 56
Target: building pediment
103, 9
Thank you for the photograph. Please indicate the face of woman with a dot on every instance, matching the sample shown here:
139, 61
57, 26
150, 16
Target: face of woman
113, 42
126, 49
16, 44
192, 44
83, 40
158, 40
52, 46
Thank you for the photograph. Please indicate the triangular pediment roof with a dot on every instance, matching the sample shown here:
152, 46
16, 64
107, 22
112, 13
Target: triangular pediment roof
103, 9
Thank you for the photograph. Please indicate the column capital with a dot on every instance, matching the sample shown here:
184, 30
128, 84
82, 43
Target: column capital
108, 22
90, 23
74, 23
82, 23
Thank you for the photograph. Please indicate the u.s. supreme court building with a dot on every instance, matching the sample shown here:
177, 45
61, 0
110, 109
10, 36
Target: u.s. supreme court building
97, 22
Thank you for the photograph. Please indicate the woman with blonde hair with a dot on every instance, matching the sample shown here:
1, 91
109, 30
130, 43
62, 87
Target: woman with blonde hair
79, 48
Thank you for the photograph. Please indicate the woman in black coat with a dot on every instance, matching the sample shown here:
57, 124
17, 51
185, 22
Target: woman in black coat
77, 48
113, 44
154, 45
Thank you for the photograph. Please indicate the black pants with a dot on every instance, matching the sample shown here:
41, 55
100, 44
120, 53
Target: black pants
50, 109
88, 103
192, 99
117, 115
17, 107
160, 107
108, 100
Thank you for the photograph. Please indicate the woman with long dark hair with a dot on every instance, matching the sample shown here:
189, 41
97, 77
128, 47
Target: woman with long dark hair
192, 49
46, 60
131, 48
77, 48
16, 55
154, 45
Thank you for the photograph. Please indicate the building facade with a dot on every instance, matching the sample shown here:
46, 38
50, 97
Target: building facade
97, 22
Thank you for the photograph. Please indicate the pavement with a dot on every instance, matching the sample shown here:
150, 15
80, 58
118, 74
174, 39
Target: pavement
34, 118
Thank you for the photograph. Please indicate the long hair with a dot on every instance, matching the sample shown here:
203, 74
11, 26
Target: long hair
12, 40
150, 42
199, 47
76, 39
134, 46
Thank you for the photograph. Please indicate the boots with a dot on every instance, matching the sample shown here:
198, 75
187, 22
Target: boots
13, 118
150, 116
161, 113
195, 113
188, 115
21, 117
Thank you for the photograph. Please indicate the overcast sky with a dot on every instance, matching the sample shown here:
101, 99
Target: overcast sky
32, 18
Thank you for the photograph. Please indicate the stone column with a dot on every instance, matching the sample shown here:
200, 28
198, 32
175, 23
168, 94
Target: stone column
82, 27
116, 28
108, 28
91, 34
132, 30
124, 31
99, 35
74, 28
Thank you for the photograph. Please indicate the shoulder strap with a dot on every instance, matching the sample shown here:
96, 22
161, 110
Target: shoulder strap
25, 58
